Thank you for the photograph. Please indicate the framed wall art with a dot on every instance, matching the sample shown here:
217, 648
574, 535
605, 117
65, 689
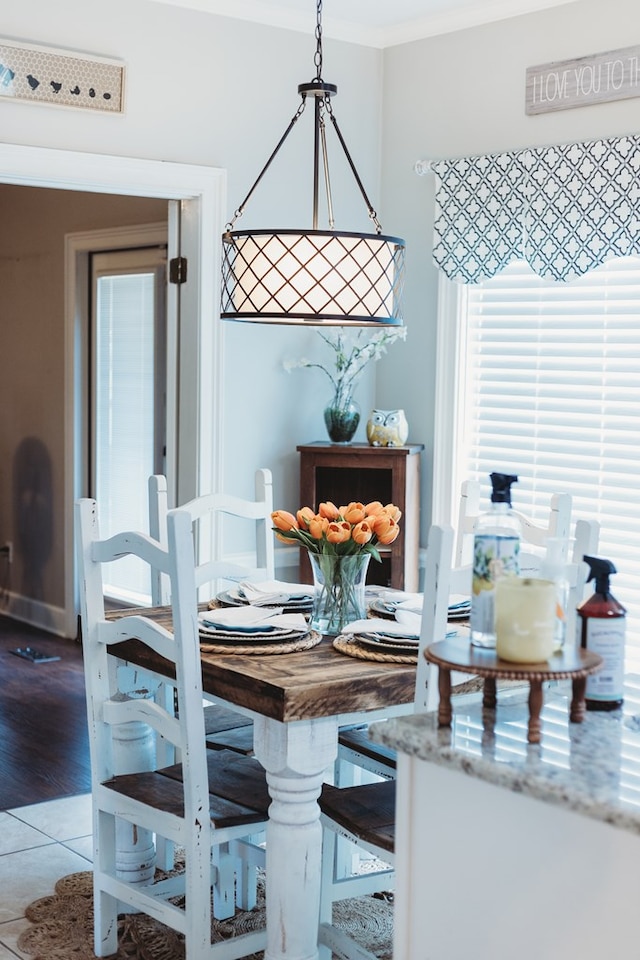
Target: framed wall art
45, 75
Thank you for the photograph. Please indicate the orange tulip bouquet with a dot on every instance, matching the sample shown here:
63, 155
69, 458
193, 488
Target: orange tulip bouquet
340, 542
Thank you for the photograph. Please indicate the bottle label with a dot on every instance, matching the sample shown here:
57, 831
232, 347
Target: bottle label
605, 636
493, 557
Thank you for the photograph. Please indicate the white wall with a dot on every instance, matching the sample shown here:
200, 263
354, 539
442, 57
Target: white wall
463, 94
213, 91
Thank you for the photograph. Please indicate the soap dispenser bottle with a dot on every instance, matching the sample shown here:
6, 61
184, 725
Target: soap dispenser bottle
496, 548
601, 628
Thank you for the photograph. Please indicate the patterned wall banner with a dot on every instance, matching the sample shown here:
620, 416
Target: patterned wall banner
564, 209
46, 75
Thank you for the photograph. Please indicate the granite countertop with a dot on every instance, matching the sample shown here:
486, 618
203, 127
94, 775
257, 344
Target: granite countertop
592, 768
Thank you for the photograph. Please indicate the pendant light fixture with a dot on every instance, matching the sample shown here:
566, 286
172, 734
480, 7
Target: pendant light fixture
312, 276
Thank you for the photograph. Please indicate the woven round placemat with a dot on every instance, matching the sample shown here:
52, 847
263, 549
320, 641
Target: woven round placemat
305, 642
352, 648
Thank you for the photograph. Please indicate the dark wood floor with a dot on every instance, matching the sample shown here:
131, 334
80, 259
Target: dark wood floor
44, 752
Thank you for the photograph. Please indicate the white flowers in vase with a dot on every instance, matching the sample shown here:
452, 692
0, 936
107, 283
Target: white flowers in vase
352, 353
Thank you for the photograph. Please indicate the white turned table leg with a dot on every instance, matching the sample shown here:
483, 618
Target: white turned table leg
296, 757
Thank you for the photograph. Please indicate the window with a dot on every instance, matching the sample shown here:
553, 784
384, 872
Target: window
547, 386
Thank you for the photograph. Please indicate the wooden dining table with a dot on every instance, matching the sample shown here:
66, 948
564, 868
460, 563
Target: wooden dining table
297, 702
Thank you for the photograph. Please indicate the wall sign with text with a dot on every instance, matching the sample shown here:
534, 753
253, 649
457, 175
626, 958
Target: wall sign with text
598, 78
45, 75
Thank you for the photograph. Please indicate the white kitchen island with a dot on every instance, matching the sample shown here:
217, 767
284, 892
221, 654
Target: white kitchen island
507, 850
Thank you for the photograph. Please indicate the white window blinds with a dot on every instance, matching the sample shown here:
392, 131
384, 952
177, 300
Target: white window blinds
549, 384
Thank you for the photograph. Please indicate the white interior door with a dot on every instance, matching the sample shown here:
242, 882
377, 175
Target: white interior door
128, 337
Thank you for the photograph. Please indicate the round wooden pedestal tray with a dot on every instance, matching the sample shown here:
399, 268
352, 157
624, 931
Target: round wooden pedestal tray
570, 663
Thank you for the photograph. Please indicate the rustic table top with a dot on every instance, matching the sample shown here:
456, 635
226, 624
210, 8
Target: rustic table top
319, 682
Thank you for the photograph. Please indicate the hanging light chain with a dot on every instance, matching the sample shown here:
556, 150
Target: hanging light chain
318, 54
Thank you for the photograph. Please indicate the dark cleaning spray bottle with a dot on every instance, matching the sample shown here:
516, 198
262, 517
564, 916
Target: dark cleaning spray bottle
601, 629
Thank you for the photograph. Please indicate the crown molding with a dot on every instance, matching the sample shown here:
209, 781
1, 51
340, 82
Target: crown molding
382, 24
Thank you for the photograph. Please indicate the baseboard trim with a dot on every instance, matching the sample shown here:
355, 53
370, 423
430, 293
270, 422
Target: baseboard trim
42, 616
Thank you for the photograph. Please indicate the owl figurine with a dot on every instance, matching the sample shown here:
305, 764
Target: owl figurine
387, 428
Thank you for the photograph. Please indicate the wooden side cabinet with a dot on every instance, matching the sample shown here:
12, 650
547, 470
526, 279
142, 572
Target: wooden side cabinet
358, 471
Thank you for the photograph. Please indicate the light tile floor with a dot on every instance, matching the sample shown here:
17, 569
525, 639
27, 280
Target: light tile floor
38, 845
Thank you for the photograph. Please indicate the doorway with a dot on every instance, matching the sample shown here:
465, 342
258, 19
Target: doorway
198, 192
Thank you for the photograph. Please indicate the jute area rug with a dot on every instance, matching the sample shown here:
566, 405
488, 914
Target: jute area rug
62, 926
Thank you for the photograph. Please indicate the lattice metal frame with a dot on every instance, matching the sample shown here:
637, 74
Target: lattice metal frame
315, 277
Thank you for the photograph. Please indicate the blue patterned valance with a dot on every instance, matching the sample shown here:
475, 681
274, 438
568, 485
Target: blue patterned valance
563, 209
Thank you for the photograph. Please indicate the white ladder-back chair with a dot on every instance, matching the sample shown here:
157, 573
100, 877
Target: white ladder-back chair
355, 748
584, 542
442, 581
535, 535
365, 814
225, 728
206, 514
158, 802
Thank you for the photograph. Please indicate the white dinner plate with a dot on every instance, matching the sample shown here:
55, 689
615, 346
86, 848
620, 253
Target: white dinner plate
387, 608
273, 635
392, 638
234, 598
375, 641
455, 616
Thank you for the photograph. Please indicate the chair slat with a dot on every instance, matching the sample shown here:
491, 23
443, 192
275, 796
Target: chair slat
217, 719
367, 812
233, 777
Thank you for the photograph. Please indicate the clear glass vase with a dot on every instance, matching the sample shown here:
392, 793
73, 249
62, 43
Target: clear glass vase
338, 590
341, 418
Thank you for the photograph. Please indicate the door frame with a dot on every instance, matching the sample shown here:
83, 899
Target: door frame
196, 234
